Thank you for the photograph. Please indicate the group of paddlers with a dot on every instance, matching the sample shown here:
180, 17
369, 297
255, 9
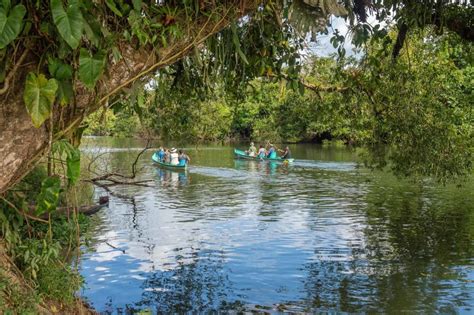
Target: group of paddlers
173, 156
268, 152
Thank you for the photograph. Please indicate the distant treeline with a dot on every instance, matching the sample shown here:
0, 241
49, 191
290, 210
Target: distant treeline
268, 110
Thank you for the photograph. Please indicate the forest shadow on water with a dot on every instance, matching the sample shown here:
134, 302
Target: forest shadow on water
322, 234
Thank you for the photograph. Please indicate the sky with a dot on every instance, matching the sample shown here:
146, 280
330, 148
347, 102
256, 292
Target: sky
323, 47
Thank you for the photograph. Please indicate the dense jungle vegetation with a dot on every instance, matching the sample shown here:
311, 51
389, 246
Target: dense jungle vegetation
211, 70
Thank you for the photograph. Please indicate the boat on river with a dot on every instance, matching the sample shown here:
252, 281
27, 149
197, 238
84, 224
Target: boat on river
156, 159
239, 154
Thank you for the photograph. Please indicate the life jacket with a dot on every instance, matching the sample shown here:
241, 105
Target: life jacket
182, 160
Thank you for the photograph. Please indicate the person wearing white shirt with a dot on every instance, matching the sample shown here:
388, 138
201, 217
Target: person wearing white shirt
174, 156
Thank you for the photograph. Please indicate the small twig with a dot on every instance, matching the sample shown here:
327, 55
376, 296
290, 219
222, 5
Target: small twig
134, 165
114, 247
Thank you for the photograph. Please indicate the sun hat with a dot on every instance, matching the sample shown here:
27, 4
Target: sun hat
173, 150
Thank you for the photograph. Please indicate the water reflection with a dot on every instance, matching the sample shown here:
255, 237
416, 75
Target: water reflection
170, 178
262, 168
247, 236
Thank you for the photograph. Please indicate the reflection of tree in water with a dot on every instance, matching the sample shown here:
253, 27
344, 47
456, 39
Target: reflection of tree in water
195, 286
418, 245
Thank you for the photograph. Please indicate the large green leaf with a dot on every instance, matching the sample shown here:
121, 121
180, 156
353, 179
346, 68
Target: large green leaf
47, 199
90, 67
69, 22
11, 22
39, 96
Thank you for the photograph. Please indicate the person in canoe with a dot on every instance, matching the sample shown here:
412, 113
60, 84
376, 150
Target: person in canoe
161, 154
183, 158
261, 152
286, 153
174, 157
166, 157
271, 154
252, 151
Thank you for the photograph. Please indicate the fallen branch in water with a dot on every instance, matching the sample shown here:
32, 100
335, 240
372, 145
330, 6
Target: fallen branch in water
110, 179
114, 178
114, 182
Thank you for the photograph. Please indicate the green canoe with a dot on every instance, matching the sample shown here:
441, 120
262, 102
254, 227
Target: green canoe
167, 165
239, 154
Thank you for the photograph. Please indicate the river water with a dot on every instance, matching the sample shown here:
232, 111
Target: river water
320, 235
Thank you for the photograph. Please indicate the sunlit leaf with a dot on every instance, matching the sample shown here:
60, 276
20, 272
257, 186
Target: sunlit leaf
39, 96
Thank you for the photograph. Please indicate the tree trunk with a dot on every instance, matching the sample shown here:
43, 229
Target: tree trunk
22, 145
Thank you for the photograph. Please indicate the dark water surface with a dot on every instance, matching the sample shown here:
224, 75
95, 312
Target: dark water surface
320, 235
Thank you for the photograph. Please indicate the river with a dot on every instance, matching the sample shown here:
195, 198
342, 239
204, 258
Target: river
323, 234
